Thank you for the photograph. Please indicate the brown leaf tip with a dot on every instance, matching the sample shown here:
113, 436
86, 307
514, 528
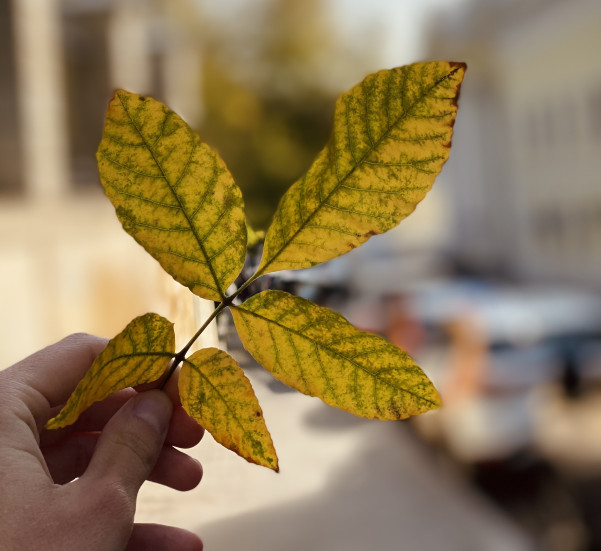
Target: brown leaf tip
458, 65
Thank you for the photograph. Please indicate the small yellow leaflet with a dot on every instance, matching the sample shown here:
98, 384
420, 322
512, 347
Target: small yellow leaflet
215, 392
139, 354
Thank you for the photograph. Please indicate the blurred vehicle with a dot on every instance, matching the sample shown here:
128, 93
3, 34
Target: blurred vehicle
519, 369
502, 346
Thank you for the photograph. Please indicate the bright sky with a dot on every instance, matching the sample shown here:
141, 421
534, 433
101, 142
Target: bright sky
400, 23
382, 33
396, 24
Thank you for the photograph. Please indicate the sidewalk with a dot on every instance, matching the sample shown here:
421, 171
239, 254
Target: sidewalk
345, 484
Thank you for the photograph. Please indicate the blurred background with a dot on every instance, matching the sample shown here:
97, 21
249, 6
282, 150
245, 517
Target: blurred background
492, 284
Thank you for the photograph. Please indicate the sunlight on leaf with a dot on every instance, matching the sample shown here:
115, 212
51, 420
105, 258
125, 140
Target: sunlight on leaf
392, 135
139, 354
319, 353
173, 194
215, 392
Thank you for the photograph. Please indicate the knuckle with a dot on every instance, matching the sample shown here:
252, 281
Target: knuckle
91, 343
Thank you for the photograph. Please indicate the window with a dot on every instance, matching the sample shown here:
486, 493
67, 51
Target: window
594, 113
10, 142
87, 85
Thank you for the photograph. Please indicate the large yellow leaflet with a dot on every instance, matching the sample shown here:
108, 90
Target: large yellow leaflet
318, 352
392, 134
139, 354
215, 392
173, 194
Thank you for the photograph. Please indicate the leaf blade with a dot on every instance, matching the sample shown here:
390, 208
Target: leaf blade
139, 354
318, 352
392, 134
173, 194
215, 392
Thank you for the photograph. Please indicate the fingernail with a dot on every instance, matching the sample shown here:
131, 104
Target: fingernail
153, 407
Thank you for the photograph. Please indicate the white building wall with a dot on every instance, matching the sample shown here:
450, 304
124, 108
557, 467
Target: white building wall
525, 161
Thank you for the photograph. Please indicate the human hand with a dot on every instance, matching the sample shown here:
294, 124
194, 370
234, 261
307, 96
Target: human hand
107, 454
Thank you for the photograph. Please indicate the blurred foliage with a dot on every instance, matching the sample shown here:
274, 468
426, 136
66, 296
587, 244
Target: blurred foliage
267, 107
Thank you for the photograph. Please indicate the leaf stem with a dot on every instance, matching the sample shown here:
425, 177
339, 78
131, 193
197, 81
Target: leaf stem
248, 282
227, 301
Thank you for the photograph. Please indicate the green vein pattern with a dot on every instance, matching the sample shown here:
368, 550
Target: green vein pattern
173, 194
319, 353
139, 354
392, 135
215, 392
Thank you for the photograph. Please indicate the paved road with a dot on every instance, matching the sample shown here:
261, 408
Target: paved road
345, 484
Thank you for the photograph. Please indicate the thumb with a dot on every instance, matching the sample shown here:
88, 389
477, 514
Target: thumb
131, 442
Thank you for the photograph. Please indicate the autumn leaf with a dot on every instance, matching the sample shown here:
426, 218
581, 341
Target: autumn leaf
139, 354
392, 134
319, 353
215, 392
173, 194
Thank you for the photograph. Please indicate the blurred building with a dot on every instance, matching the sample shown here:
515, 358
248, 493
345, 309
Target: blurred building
524, 170
66, 264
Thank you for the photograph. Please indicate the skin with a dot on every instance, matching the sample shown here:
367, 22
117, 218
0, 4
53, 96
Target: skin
76, 488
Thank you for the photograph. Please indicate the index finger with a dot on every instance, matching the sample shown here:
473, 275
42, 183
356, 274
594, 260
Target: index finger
55, 370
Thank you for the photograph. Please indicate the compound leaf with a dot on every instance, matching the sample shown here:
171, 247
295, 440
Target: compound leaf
319, 353
139, 354
214, 391
392, 134
173, 194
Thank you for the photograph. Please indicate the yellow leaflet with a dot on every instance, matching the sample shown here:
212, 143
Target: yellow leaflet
215, 392
173, 194
392, 134
254, 237
319, 353
139, 354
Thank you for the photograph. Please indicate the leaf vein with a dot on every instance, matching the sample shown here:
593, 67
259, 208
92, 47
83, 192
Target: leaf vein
358, 213
130, 169
121, 191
